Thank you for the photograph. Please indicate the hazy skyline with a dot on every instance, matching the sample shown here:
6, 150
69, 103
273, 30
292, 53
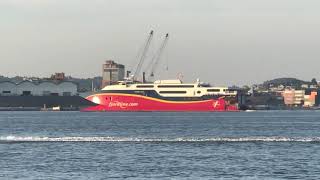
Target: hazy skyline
223, 42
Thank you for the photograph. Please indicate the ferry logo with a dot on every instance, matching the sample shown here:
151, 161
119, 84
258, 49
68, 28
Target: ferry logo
122, 105
216, 104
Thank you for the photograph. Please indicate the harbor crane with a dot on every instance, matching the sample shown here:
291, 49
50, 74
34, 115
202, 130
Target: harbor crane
157, 57
143, 55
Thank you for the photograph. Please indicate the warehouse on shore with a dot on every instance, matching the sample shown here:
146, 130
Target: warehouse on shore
43, 88
40, 95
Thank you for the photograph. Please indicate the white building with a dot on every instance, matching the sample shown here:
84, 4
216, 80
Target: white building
46, 88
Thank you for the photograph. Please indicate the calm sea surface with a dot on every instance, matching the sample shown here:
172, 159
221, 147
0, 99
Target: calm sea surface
243, 145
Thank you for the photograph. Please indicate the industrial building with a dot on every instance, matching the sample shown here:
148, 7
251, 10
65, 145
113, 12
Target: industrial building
44, 88
112, 72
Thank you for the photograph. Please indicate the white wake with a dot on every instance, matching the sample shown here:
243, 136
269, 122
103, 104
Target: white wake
146, 139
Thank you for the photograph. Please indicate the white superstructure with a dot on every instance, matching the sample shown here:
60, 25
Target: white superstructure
173, 88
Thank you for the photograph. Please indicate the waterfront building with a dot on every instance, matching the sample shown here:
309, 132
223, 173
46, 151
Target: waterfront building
58, 76
44, 88
293, 97
310, 98
317, 99
8, 88
288, 96
112, 73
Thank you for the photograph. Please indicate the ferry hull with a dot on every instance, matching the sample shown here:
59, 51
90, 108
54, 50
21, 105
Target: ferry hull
129, 102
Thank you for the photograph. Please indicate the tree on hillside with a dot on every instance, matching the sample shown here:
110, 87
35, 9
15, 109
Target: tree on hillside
293, 82
314, 81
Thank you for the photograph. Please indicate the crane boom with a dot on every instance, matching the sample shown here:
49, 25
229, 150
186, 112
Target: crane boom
155, 60
143, 55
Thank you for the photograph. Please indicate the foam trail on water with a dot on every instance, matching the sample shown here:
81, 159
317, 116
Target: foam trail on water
4, 139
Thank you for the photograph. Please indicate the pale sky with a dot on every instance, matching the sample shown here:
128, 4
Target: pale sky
224, 42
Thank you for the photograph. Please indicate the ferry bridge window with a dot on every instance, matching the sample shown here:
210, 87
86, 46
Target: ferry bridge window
213, 90
144, 86
198, 92
173, 92
175, 86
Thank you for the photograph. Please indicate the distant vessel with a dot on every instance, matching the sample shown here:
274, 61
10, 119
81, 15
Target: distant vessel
164, 95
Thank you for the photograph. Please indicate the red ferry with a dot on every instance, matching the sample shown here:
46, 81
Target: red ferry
164, 95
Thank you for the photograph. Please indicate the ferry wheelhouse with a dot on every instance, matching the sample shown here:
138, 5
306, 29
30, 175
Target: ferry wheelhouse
164, 95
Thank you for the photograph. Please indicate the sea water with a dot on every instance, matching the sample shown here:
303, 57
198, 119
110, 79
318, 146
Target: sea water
154, 145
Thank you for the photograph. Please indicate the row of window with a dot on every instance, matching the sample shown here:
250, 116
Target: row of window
213, 90
173, 92
184, 92
176, 86
178, 92
166, 86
